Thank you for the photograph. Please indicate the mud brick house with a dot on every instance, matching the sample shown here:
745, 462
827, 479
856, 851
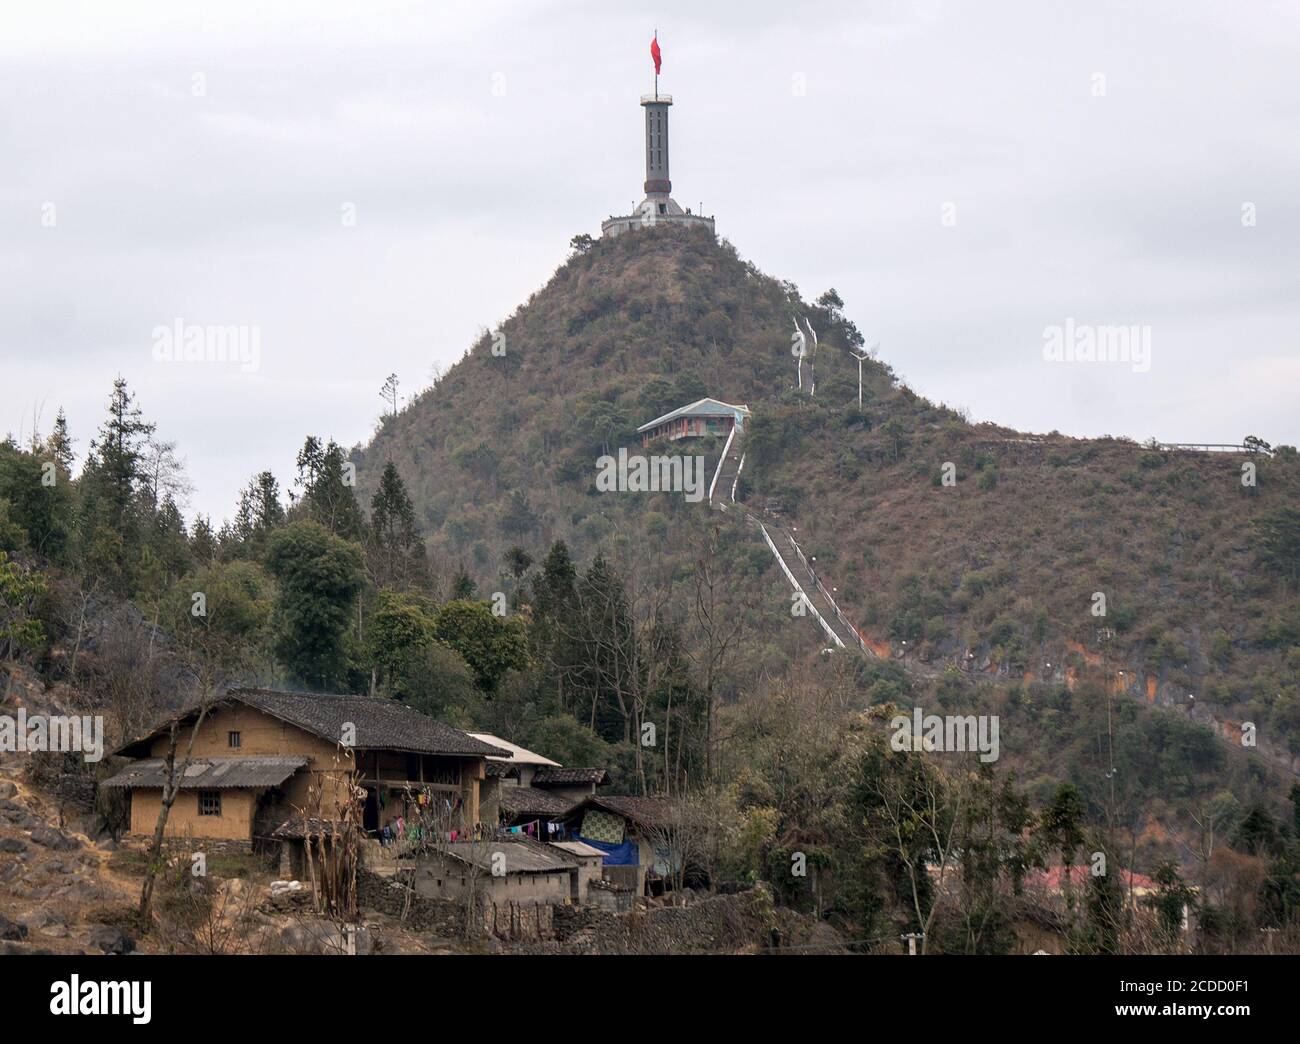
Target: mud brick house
500, 869
638, 836
265, 757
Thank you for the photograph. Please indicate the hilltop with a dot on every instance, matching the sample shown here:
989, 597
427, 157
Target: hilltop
993, 578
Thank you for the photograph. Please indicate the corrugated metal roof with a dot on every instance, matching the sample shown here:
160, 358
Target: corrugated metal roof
210, 773
578, 848
516, 755
701, 408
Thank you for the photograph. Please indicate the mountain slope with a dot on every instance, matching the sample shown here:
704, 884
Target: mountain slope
995, 576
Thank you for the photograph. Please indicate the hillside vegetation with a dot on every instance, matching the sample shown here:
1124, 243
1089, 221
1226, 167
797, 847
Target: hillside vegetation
476, 573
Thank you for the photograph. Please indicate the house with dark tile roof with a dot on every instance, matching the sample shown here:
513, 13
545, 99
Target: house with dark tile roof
265, 758
527, 788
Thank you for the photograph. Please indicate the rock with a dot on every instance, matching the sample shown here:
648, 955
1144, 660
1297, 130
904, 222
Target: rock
42, 918
12, 929
81, 891
54, 839
7, 789
110, 939
15, 948
280, 887
107, 845
324, 937
12, 844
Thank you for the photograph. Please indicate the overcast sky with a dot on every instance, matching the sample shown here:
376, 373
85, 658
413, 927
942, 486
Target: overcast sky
965, 175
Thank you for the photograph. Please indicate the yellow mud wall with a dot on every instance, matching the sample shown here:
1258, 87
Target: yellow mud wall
234, 823
262, 735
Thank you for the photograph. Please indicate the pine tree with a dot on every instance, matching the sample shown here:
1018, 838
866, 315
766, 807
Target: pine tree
328, 497
117, 454
111, 487
59, 444
203, 542
396, 549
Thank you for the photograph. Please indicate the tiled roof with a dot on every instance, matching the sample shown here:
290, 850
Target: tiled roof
646, 812
299, 828
210, 773
496, 769
563, 777
379, 723
528, 801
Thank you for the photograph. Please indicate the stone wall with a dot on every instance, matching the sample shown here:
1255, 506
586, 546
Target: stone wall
511, 920
207, 845
744, 922
389, 895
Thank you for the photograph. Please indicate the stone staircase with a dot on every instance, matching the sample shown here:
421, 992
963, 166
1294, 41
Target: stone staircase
818, 602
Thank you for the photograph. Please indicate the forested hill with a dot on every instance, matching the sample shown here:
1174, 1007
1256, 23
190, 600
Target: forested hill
995, 575
477, 573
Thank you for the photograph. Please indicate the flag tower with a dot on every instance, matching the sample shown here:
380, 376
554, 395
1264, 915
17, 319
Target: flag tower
658, 204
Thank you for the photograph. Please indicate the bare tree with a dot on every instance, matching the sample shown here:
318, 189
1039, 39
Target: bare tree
916, 813
719, 623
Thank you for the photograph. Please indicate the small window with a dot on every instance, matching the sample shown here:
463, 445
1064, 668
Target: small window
209, 802
663, 208
232, 739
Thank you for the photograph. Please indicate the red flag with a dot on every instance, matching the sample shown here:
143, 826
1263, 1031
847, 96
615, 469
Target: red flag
656, 54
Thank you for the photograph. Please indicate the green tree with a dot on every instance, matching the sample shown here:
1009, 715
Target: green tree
1172, 897
400, 624
319, 576
1277, 535
19, 590
490, 644
395, 551
110, 485
328, 477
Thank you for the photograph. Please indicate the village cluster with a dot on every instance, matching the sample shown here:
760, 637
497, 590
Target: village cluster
457, 814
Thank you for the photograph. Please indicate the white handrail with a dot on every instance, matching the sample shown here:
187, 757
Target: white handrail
830, 631
721, 461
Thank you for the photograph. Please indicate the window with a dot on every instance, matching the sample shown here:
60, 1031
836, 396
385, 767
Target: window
663, 208
232, 739
209, 802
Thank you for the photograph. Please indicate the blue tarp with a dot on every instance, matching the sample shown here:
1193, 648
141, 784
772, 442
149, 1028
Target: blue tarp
625, 854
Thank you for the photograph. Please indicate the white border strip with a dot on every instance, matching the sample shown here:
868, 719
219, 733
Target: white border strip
830, 631
721, 463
